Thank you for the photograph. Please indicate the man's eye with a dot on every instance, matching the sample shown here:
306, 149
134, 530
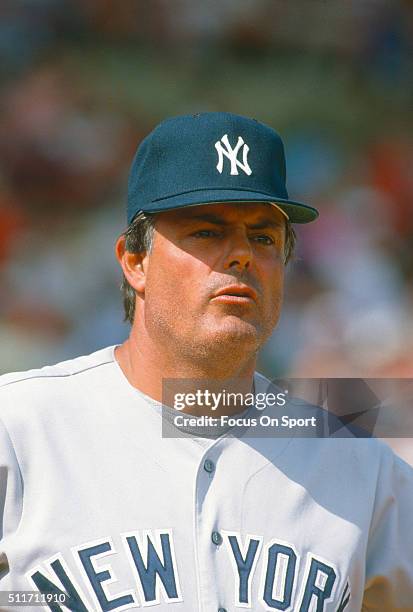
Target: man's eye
205, 234
263, 239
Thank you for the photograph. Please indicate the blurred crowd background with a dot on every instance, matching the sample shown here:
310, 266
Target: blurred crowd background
83, 81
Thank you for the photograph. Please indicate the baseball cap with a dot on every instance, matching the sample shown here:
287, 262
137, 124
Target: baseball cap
208, 158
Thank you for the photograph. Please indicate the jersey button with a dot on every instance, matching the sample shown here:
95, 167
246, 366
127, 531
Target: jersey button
216, 537
209, 466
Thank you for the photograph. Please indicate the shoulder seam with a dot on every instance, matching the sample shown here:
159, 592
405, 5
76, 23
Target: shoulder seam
66, 375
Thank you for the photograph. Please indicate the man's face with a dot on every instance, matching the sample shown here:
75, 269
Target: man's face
235, 250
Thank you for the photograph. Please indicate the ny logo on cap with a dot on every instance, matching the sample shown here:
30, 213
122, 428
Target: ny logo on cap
232, 155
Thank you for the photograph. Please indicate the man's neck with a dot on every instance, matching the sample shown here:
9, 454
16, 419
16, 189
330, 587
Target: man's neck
164, 378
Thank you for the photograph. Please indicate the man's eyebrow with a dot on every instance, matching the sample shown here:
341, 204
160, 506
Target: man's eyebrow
262, 223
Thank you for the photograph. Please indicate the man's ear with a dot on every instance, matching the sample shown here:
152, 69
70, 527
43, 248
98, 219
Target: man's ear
132, 264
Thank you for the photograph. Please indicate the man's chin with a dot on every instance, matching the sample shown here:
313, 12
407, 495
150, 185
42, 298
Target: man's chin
236, 331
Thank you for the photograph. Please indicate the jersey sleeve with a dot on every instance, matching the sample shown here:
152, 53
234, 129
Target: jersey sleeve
389, 567
11, 495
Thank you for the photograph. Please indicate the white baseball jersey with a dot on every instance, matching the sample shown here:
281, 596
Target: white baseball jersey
97, 505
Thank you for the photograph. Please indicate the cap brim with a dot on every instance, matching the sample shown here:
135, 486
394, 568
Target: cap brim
296, 211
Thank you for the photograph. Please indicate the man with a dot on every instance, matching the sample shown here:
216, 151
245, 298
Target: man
103, 510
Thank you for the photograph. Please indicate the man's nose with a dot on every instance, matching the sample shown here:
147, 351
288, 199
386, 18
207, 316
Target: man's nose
239, 252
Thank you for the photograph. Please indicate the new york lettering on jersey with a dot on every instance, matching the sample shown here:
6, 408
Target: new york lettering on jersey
151, 556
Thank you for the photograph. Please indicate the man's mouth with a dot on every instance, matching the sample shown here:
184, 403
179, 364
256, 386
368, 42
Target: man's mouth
235, 294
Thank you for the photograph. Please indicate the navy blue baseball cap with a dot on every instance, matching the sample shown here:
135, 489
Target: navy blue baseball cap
208, 158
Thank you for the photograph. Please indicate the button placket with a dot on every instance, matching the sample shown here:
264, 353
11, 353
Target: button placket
208, 521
